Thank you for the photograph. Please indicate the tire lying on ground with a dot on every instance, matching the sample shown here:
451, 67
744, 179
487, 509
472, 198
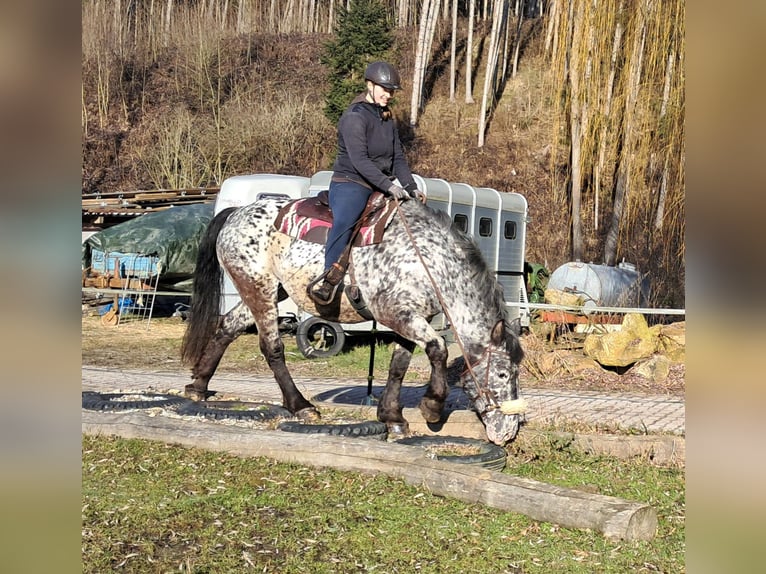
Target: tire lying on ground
372, 429
126, 401
478, 452
236, 410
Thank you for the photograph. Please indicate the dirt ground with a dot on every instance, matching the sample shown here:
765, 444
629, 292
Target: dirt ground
555, 365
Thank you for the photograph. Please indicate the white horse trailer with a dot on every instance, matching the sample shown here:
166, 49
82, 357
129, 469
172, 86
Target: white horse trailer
497, 222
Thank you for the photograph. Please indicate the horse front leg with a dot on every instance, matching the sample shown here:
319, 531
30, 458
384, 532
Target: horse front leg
231, 326
390, 406
432, 403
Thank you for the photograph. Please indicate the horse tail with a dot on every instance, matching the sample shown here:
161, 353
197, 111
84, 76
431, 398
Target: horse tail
206, 293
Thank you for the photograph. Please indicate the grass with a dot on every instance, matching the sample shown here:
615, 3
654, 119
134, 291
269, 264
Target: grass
151, 507
133, 346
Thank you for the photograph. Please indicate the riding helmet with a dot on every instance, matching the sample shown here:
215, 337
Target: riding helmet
383, 74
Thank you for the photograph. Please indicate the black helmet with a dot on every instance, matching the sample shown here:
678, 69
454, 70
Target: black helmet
383, 74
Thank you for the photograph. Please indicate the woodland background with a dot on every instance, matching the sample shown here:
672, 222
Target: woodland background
576, 104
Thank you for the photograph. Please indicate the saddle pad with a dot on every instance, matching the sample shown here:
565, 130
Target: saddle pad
293, 223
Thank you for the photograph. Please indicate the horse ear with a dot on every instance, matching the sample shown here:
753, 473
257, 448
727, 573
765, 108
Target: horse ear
498, 333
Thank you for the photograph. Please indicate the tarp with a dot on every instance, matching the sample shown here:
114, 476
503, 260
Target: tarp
172, 235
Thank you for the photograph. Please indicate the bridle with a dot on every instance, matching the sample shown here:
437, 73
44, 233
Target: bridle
482, 387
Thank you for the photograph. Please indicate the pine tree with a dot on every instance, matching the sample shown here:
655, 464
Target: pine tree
362, 35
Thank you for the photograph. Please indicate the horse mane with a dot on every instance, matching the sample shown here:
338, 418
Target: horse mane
485, 282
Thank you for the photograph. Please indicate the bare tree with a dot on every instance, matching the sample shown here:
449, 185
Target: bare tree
453, 49
629, 135
425, 39
499, 21
469, 53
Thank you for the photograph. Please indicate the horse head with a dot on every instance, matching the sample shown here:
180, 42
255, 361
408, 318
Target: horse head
491, 383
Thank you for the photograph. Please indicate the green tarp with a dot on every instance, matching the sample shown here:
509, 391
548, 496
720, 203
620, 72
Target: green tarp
172, 235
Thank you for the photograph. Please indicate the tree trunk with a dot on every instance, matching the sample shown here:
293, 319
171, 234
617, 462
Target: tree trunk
517, 47
168, 20
469, 53
660, 214
553, 17
622, 187
499, 17
607, 111
425, 38
453, 49
577, 130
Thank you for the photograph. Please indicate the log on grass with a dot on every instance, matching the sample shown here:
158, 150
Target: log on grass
614, 517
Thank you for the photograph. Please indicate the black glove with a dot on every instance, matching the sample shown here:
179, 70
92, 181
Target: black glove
398, 192
415, 193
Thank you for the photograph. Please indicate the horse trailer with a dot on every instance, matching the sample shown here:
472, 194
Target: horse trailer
496, 221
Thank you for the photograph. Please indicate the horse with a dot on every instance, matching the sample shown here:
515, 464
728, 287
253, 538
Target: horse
422, 266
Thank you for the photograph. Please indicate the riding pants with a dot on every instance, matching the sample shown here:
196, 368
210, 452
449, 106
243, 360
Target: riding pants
347, 202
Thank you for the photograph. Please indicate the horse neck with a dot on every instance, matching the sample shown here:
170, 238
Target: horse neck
472, 319
471, 309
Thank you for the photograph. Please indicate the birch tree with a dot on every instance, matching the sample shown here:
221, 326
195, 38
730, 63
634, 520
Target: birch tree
428, 18
469, 53
499, 21
453, 50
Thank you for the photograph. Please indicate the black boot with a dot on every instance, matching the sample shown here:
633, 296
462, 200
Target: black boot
321, 292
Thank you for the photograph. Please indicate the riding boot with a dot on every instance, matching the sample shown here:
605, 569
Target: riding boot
322, 290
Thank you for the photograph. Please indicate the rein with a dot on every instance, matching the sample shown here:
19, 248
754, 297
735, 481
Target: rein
483, 390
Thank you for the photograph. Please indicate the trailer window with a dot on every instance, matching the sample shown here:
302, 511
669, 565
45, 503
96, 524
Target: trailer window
267, 195
485, 227
461, 222
510, 230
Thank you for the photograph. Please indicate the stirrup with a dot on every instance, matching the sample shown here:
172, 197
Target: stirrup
321, 292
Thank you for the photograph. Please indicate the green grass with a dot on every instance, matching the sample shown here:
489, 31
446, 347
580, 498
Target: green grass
151, 507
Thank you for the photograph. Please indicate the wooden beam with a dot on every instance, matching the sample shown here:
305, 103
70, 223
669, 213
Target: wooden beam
614, 517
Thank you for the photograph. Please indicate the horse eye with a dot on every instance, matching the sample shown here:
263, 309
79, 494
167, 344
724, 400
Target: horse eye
503, 375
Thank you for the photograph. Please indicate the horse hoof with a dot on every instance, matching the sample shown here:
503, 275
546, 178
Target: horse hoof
190, 392
308, 414
431, 415
398, 430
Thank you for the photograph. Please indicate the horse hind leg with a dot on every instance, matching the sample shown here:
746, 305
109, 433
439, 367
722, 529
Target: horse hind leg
260, 295
231, 326
273, 349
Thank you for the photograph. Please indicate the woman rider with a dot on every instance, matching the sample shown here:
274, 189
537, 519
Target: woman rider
369, 158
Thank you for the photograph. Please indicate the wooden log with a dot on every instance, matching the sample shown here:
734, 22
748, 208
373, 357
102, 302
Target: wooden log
659, 449
614, 517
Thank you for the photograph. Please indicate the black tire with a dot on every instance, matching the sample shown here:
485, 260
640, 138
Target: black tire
373, 429
121, 401
490, 456
236, 410
318, 338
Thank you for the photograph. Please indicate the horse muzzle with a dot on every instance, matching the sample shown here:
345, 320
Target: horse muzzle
501, 428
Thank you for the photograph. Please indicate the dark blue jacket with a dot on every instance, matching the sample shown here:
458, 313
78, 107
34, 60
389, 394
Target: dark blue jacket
369, 150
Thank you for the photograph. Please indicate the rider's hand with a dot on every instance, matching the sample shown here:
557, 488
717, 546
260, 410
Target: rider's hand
415, 193
398, 192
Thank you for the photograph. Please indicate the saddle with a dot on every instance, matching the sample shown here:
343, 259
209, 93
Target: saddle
310, 219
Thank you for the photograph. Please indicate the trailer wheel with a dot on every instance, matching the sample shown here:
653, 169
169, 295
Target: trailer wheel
318, 338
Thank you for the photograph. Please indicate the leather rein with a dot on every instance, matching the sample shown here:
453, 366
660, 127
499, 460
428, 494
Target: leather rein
483, 390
